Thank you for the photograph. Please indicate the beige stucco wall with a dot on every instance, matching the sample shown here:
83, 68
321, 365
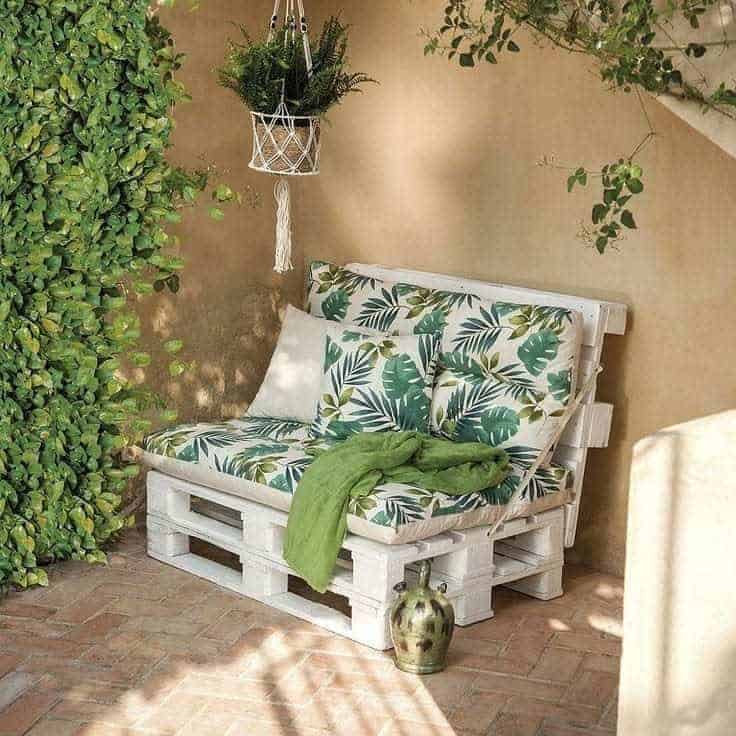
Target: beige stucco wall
435, 169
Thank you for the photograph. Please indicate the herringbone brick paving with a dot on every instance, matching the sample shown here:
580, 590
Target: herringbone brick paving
137, 647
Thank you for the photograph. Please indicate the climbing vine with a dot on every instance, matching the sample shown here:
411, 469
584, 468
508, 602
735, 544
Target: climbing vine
635, 47
87, 89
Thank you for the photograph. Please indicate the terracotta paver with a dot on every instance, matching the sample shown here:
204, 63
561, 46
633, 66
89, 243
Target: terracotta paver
13, 685
48, 727
21, 642
15, 607
558, 665
175, 712
23, 712
573, 714
84, 609
597, 644
97, 629
509, 685
602, 663
401, 727
419, 707
8, 662
593, 688
142, 649
478, 710
229, 627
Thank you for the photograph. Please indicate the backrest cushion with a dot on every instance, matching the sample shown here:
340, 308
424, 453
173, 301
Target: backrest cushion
341, 295
375, 383
506, 371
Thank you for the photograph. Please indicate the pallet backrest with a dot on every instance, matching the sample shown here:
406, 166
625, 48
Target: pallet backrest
590, 426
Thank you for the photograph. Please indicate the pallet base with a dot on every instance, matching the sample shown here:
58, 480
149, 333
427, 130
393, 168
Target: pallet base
524, 554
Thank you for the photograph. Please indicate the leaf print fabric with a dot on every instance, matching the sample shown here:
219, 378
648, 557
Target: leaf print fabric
275, 453
506, 371
375, 384
260, 449
340, 295
538, 350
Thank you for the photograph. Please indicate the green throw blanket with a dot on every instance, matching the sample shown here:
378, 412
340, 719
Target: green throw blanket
352, 469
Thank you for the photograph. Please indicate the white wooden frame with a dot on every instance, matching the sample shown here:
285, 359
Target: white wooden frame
526, 554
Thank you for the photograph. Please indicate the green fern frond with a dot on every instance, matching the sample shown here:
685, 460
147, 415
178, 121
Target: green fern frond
258, 72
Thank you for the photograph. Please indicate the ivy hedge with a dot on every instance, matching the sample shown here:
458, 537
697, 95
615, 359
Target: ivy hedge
86, 94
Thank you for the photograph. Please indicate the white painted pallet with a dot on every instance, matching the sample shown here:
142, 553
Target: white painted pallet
525, 554
591, 425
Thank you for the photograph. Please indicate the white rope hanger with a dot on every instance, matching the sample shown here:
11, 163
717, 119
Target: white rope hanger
285, 144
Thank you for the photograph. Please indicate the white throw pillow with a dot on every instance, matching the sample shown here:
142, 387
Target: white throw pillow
291, 387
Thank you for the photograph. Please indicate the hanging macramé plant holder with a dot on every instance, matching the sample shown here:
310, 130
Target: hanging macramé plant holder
284, 144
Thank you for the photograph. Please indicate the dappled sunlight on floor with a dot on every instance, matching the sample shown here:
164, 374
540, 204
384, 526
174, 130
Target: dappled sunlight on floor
138, 647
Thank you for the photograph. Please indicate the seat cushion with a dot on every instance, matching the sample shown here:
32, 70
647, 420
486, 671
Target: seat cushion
262, 459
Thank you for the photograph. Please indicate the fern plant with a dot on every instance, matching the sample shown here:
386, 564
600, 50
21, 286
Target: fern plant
260, 72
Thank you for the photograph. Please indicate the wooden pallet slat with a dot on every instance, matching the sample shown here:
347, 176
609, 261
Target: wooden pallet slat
470, 561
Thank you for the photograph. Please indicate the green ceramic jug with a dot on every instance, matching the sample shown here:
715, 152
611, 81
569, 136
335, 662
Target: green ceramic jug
422, 622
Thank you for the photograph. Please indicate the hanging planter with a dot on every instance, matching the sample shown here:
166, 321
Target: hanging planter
289, 84
285, 145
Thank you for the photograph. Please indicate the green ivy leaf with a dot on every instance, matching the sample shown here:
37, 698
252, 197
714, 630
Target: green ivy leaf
176, 368
223, 193
86, 194
628, 219
599, 213
173, 346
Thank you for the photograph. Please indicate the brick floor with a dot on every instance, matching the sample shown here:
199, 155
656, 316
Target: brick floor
140, 648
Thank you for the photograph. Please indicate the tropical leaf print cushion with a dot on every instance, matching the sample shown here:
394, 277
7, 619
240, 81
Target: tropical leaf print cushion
506, 371
375, 383
506, 374
275, 452
338, 294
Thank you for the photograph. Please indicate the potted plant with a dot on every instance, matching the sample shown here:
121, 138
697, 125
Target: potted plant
288, 84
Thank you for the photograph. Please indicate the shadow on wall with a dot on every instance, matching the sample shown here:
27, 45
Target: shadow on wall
229, 339
679, 665
229, 334
228, 309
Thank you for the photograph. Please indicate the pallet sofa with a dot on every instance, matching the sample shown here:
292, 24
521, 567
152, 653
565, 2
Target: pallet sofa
230, 486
